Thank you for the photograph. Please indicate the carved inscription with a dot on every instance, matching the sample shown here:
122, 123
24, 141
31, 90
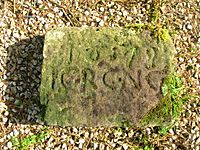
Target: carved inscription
124, 82
114, 78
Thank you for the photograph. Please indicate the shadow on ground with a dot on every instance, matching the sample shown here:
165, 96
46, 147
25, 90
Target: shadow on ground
23, 67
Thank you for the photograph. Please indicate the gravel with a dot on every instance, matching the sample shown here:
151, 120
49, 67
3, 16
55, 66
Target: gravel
23, 25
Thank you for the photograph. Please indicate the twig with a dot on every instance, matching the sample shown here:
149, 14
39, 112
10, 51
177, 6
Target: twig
68, 18
14, 6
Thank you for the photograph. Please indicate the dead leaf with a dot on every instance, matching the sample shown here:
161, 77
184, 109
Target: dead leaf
1, 73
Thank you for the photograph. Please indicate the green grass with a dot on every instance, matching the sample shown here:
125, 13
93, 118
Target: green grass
27, 142
145, 148
154, 12
164, 130
143, 144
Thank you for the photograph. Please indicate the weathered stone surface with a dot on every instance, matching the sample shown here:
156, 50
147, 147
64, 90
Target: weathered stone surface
102, 76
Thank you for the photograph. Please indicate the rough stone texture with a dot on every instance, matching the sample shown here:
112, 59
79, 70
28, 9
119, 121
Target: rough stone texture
102, 76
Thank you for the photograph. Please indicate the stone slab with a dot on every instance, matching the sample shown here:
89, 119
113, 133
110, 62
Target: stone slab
102, 76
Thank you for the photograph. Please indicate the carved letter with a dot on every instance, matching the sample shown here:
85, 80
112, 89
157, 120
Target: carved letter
70, 56
88, 77
154, 80
114, 78
71, 79
133, 84
130, 54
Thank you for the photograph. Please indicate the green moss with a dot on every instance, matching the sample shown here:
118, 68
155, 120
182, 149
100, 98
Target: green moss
157, 30
164, 34
169, 109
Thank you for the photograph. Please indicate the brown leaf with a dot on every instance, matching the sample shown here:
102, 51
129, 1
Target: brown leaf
1, 73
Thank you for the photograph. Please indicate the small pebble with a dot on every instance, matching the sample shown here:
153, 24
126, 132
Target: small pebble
26, 131
81, 140
2, 140
9, 32
64, 145
198, 40
75, 130
181, 59
189, 27
125, 13
173, 146
98, 19
171, 131
101, 23
4, 120
9, 145
125, 146
95, 145
101, 9
15, 132
87, 13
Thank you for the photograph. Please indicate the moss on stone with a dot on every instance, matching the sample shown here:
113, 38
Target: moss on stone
105, 76
169, 108
157, 30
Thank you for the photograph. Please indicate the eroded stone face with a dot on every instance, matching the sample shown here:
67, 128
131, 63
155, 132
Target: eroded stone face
102, 77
